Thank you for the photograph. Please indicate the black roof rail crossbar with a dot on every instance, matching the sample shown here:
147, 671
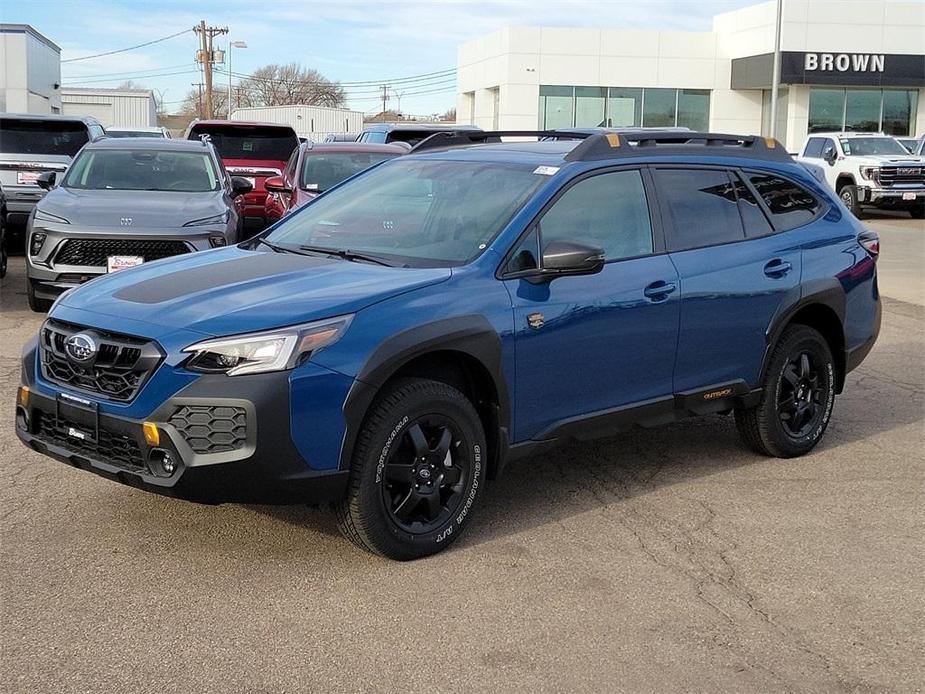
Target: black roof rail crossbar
460, 138
610, 145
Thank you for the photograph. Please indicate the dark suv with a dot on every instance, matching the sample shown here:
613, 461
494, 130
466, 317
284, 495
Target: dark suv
391, 344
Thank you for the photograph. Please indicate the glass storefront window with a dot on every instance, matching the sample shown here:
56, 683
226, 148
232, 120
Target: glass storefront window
862, 110
899, 109
589, 107
624, 107
658, 108
557, 108
694, 109
826, 109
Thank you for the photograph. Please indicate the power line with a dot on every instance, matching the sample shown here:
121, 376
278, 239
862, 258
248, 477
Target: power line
354, 92
146, 77
374, 85
130, 48
128, 73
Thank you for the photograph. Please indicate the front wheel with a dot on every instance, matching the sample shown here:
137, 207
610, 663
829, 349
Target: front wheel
797, 398
849, 196
418, 470
35, 303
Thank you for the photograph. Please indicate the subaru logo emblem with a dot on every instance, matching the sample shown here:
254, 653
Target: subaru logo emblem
80, 347
126, 221
424, 473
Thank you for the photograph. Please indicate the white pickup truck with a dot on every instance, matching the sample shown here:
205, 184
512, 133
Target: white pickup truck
869, 170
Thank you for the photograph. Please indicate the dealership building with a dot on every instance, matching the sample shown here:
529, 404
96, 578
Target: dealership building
845, 65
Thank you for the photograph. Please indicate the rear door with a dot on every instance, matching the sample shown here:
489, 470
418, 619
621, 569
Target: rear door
735, 274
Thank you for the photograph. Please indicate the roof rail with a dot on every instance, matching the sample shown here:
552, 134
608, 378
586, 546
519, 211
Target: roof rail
205, 139
460, 138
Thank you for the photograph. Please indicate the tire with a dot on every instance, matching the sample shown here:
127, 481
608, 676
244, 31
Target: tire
389, 508
800, 378
35, 303
917, 212
849, 196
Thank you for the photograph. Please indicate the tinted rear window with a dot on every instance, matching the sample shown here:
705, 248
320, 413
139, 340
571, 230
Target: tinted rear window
702, 206
323, 171
232, 142
790, 205
59, 138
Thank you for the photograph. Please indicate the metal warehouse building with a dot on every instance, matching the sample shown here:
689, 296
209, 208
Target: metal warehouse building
30, 71
111, 107
846, 64
312, 122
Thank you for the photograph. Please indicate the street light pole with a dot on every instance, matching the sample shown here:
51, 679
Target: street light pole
232, 44
775, 78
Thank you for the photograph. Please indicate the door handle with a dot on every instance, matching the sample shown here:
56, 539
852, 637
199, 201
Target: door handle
777, 268
658, 290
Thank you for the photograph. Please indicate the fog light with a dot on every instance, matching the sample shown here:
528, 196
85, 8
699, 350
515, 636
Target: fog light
22, 396
35, 245
168, 463
152, 435
217, 241
162, 463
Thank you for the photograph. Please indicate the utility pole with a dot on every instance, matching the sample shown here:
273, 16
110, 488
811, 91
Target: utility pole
398, 96
385, 96
206, 57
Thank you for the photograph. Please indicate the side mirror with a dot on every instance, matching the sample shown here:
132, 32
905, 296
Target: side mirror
570, 258
276, 184
829, 155
46, 181
240, 186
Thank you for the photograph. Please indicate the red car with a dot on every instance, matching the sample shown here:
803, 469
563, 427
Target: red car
256, 151
313, 168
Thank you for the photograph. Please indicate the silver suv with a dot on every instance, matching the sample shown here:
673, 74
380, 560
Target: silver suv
124, 202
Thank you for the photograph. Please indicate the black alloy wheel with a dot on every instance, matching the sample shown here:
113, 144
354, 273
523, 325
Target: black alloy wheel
799, 403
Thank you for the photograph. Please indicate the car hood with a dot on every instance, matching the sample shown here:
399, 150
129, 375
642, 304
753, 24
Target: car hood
896, 159
232, 290
146, 208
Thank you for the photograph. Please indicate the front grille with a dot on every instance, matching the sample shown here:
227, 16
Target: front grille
119, 369
211, 429
902, 175
110, 447
94, 252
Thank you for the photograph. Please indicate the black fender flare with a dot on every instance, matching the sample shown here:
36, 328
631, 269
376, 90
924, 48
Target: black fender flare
825, 292
471, 335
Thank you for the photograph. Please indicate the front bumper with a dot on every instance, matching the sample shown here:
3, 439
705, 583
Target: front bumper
264, 467
870, 195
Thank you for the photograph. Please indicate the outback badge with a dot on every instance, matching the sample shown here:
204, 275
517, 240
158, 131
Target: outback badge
535, 320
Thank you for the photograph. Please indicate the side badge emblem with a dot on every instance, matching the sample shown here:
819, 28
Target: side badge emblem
535, 320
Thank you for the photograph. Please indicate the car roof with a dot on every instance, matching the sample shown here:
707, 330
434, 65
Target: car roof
241, 123
834, 133
370, 147
389, 127
153, 143
51, 117
135, 128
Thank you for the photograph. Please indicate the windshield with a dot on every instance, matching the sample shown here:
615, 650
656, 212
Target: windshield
323, 171
871, 146
423, 213
133, 133
142, 169
244, 142
59, 138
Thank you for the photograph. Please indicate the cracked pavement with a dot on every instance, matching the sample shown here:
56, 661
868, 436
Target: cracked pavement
655, 561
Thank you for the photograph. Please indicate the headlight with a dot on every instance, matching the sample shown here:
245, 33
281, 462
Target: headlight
273, 350
214, 219
869, 172
41, 216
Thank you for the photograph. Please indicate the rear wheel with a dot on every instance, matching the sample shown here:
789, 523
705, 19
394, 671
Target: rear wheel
849, 196
418, 470
35, 303
797, 398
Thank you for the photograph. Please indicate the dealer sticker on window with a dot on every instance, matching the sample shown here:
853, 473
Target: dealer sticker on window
546, 170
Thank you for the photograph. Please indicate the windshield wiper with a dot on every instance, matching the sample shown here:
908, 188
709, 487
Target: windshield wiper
347, 254
276, 249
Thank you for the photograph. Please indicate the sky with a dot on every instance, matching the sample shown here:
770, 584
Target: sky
361, 43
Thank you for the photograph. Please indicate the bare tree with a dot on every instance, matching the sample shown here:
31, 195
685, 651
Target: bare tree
279, 85
449, 115
192, 104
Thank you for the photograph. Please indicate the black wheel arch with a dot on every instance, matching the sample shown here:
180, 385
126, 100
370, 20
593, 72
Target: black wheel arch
843, 180
822, 307
464, 352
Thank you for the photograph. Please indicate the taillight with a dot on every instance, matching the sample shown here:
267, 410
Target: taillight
871, 242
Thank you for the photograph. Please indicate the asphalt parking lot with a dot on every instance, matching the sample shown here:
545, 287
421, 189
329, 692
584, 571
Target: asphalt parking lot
655, 561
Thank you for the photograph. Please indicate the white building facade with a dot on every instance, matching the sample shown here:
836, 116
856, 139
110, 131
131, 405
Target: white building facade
122, 107
846, 64
311, 122
30, 71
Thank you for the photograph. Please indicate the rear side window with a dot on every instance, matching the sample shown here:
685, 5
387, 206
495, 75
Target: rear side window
702, 206
61, 138
790, 205
753, 219
607, 211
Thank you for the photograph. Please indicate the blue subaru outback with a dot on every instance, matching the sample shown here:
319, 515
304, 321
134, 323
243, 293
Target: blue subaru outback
392, 344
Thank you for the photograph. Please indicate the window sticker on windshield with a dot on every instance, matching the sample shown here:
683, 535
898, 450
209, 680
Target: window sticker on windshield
845, 145
545, 170
247, 146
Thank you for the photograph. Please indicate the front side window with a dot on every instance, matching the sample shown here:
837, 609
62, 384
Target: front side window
608, 211
790, 205
143, 169
417, 212
702, 206
323, 171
